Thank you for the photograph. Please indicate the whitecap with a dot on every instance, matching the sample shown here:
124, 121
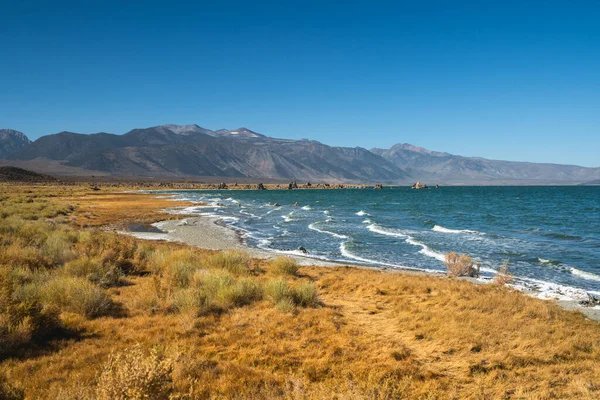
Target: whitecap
307, 208
348, 254
585, 275
385, 231
337, 235
439, 228
362, 213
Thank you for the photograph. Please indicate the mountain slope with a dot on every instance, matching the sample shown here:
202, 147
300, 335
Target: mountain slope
12, 141
189, 150
448, 168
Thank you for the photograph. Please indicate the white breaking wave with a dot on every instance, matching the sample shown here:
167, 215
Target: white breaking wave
439, 228
337, 235
361, 213
409, 239
367, 221
346, 253
426, 250
543, 260
384, 231
307, 208
585, 275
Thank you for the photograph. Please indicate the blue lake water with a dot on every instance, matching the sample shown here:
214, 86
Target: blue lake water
549, 235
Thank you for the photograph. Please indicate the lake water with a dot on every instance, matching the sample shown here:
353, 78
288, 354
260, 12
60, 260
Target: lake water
549, 235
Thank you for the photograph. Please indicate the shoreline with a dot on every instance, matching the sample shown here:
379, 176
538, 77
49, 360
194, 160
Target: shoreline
212, 233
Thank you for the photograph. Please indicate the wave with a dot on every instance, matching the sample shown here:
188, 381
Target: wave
337, 235
426, 250
362, 213
368, 221
544, 261
288, 218
348, 254
585, 275
307, 208
386, 231
439, 228
562, 236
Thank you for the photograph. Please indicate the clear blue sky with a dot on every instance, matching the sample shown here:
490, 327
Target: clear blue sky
511, 80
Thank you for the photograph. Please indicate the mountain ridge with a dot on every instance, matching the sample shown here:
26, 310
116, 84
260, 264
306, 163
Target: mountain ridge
191, 150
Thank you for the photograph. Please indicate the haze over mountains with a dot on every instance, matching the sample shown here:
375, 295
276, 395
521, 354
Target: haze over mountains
192, 151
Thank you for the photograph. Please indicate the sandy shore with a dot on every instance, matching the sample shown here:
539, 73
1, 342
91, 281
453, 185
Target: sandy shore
212, 233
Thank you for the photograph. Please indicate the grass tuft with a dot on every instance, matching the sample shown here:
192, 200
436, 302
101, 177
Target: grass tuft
76, 295
234, 261
284, 266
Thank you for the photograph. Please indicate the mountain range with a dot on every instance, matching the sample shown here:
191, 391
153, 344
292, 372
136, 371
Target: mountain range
188, 151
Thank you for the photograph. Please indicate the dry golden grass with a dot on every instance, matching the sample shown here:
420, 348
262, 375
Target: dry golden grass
362, 334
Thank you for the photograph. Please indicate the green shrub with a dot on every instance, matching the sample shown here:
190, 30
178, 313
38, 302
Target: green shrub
105, 275
58, 248
284, 266
235, 261
287, 297
76, 295
217, 291
22, 319
306, 295
278, 290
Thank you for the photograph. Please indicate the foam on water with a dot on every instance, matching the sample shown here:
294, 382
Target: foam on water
337, 235
585, 275
307, 208
362, 213
439, 228
386, 231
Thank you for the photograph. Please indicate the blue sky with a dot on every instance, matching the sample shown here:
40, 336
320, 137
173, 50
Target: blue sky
510, 80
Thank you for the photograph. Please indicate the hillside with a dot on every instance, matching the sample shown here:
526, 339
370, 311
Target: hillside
12, 141
171, 150
438, 167
190, 151
15, 174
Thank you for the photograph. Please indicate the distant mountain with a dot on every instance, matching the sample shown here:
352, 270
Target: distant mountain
189, 150
11, 141
434, 167
169, 151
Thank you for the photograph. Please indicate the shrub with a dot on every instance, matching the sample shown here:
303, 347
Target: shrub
76, 295
460, 265
278, 290
135, 374
176, 268
235, 261
503, 277
284, 266
16, 255
58, 248
286, 297
8, 391
105, 275
22, 319
217, 291
306, 295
